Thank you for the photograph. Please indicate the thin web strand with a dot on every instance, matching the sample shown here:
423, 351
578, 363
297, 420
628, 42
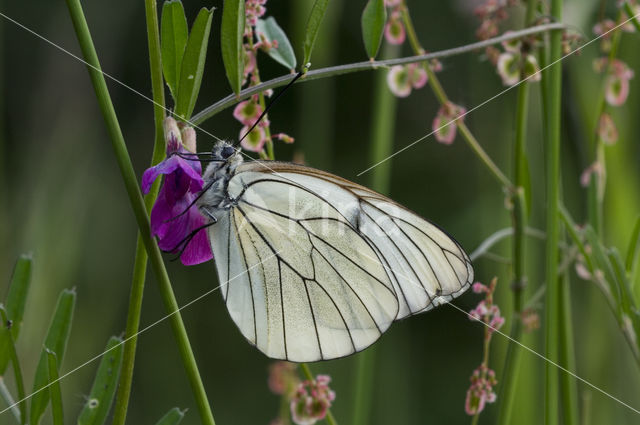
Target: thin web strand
62, 49
135, 335
492, 98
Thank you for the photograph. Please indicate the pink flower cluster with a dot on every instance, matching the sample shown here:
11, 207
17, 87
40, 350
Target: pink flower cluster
283, 379
486, 311
401, 79
311, 400
248, 111
444, 124
394, 31
616, 81
491, 13
514, 65
481, 391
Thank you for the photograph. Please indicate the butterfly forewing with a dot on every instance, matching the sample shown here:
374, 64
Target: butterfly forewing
425, 265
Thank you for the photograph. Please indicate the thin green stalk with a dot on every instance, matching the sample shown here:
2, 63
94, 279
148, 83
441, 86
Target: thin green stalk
232, 99
519, 221
311, 377
140, 212
141, 258
568, 384
442, 97
54, 389
382, 128
5, 394
552, 148
595, 195
17, 373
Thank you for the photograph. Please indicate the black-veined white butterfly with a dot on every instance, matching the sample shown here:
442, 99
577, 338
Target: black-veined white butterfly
315, 267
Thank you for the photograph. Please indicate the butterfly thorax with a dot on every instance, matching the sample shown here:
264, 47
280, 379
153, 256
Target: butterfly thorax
225, 160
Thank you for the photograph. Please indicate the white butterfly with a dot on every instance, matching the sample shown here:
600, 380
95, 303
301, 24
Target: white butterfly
315, 267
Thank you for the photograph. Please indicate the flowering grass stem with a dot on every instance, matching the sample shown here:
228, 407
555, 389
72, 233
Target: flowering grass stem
552, 100
306, 371
138, 206
442, 97
519, 222
232, 99
141, 257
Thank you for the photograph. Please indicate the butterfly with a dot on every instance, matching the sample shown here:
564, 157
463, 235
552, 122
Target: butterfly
315, 267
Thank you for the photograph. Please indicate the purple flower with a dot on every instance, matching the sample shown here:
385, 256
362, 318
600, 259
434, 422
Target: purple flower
171, 222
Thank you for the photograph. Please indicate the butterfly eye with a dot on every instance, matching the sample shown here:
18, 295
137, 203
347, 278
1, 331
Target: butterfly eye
227, 151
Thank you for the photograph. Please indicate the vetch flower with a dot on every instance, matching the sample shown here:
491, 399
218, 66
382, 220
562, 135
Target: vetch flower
444, 126
311, 401
607, 130
173, 217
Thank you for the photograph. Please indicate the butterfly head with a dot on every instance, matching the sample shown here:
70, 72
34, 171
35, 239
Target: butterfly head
225, 159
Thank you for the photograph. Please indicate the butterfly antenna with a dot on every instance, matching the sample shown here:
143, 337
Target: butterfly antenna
298, 75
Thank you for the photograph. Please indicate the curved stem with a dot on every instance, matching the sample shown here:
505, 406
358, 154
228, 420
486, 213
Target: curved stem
139, 209
442, 97
141, 258
232, 99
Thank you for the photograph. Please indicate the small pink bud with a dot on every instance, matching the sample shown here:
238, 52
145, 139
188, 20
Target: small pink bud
253, 141
247, 112
189, 138
512, 46
509, 68
617, 90
607, 130
594, 169
172, 135
417, 75
394, 31
398, 81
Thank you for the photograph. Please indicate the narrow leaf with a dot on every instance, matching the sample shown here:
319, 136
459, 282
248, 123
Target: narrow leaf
602, 263
173, 417
54, 388
17, 369
193, 64
313, 25
374, 18
271, 31
621, 279
14, 305
98, 403
231, 32
56, 340
174, 40
633, 253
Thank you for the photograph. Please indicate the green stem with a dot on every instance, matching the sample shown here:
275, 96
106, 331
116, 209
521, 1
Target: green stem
232, 99
311, 377
8, 399
140, 212
382, 128
552, 145
54, 389
141, 258
17, 373
442, 97
568, 386
519, 222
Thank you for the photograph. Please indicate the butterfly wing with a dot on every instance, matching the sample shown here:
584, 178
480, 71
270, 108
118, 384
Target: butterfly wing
426, 266
298, 279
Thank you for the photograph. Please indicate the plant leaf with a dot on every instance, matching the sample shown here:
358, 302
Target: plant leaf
193, 64
173, 417
99, 402
14, 305
633, 254
56, 341
313, 25
17, 369
283, 54
374, 18
173, 42
54, 388
231, 32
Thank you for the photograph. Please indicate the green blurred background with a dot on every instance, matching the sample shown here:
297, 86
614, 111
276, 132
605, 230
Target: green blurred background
62, 198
